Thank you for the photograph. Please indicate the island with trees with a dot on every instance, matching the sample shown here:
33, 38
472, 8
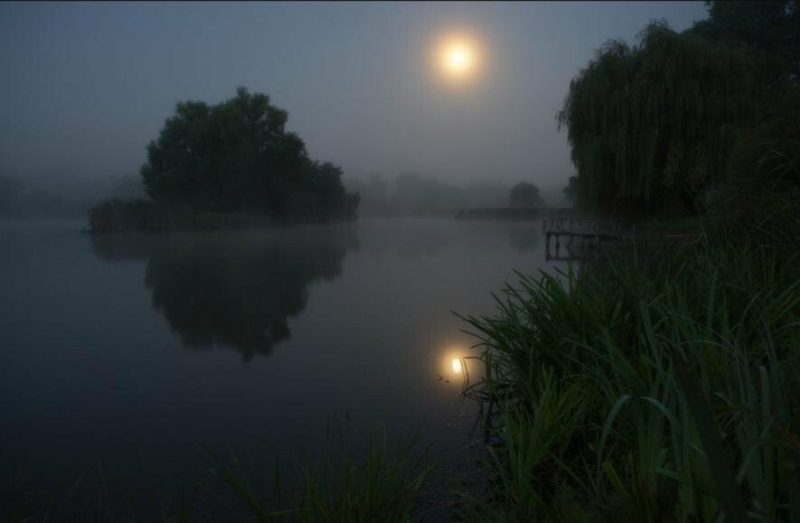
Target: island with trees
230, 164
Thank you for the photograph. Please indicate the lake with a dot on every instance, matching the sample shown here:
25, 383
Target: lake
132, 358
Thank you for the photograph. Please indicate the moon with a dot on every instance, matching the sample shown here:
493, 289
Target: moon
458, 58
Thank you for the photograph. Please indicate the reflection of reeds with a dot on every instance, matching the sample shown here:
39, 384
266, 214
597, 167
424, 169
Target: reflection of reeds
339, 484
335, 487
665, 394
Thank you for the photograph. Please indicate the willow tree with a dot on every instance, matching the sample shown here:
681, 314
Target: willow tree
771, 26
650, 125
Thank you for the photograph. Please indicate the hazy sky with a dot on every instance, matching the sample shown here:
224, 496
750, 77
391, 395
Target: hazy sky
85, 86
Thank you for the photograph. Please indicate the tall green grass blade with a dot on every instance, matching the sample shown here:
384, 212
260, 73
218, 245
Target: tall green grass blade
722, 472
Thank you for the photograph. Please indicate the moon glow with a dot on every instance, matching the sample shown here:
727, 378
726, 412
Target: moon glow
457, 58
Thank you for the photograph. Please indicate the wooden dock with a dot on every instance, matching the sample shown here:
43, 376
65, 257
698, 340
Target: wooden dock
590, 234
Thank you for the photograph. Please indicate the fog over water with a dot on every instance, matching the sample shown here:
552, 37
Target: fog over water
87, 85
150, 350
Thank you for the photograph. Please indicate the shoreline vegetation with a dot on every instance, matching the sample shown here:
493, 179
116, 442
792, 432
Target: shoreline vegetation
666, 387
663, 389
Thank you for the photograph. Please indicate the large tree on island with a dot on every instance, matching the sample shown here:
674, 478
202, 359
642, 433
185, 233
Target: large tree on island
237, 156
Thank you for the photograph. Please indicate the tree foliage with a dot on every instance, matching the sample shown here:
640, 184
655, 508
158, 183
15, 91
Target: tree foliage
764, 186
524, 194
651, 125
772, 27
666, 122
236, 156
571, 190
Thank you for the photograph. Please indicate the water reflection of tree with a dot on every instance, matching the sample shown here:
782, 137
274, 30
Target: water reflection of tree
236, 290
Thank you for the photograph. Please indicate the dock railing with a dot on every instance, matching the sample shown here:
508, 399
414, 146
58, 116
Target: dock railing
591, 232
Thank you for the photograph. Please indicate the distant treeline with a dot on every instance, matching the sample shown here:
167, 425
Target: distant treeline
412, 194
685, 122
19, 199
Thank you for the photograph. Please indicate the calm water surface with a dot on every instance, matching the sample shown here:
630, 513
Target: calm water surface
142, 352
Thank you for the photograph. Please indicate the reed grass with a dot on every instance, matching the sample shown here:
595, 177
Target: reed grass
335, 486
654, 391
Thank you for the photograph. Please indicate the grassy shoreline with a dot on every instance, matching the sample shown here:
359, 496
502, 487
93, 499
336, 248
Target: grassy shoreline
663, 392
